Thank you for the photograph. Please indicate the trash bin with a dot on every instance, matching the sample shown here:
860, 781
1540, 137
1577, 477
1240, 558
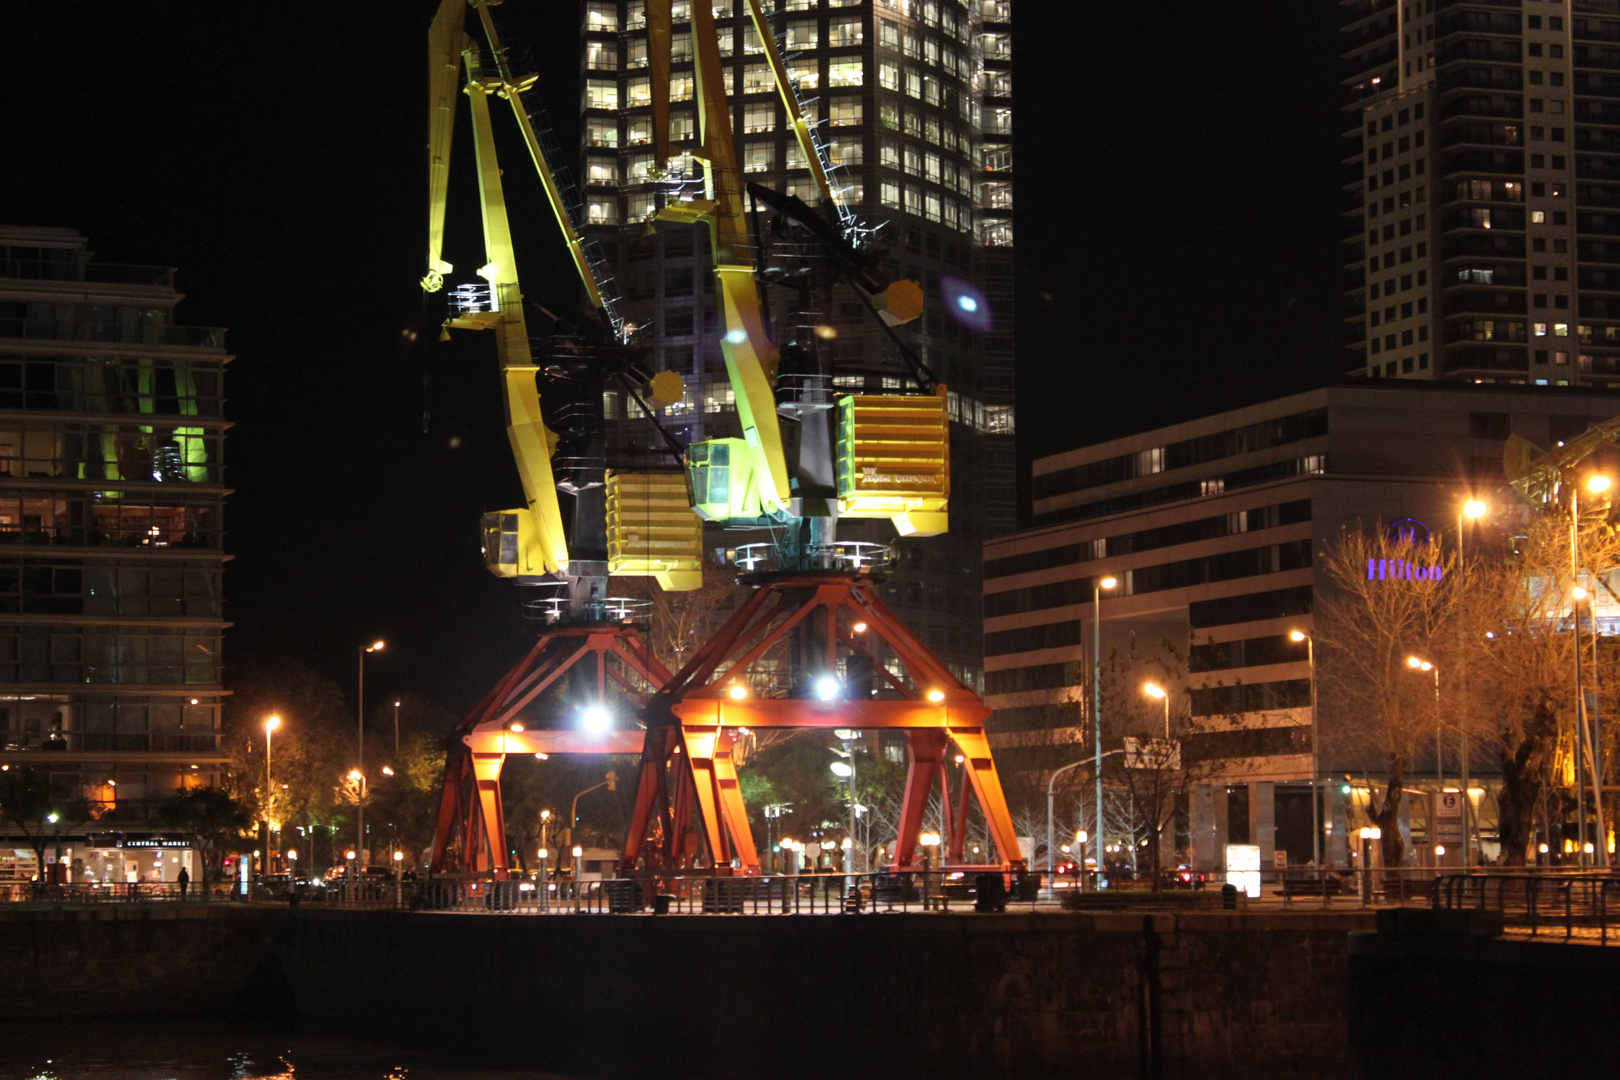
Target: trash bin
661, 903
1229, 895
623, 895
990, 893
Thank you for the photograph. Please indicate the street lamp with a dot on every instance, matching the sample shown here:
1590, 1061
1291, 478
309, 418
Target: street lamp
360, 742
1154, 690
1297, 636
359, 779
1470, 511
270, 725
1051, 787
396, 727
1098, 585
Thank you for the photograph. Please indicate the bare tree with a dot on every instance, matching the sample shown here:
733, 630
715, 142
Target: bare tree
1387, 599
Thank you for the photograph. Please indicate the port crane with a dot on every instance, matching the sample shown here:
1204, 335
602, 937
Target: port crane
815, 607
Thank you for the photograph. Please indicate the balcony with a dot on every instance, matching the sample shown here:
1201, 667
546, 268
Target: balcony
97, 273
189, 337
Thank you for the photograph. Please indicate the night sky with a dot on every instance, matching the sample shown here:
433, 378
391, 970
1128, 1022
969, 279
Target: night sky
1178, 186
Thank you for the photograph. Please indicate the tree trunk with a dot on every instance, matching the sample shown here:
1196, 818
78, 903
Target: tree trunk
1524, 768
1388, 816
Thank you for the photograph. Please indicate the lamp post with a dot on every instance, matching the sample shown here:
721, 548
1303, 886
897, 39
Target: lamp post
359, 778
1098, 585
1154, 690
1585, 744
1593, 735
270, 725
1472, 509
1297, 636
396, 729
360, 747
1051, 787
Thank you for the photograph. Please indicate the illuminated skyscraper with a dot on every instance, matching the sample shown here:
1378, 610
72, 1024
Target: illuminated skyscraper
912, 101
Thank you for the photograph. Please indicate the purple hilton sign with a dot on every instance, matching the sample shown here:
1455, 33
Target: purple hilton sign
1401, 570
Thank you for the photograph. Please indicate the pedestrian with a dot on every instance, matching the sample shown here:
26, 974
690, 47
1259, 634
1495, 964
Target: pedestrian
185, 881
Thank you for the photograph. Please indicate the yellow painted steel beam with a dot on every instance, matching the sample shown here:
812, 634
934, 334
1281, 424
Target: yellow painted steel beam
659, 15
511, 88
790, 101
445, 44
532, 442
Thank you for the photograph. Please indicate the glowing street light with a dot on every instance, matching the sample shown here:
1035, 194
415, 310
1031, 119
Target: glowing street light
596, 719
1598, 484
827, 688
270, 725
738, 691
1154, 690
936, 696
360, 737
841, 769
1097, 588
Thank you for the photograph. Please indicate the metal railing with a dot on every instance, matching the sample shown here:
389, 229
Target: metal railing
699, 894
115, 892
1576, 905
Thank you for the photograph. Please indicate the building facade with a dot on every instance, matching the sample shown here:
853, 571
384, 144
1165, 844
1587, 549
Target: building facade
1213, 530
111, 542
912, 100
1485, 196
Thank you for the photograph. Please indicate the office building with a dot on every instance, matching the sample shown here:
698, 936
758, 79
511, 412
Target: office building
1213, 530
912, 101
111, 530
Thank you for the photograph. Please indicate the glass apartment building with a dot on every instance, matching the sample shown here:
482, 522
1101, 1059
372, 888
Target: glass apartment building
111, 533
912, 100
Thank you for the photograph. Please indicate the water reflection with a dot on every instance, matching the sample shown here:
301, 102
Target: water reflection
217, 1050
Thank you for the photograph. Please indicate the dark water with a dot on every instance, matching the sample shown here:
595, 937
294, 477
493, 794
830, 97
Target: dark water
170, 1049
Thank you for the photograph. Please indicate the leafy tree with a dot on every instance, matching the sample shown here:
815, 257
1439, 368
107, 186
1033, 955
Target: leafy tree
212, 817
41, 807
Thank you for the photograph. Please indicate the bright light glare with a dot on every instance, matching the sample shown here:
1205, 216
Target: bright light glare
517, 727
354, 774
1153, 690
595, 719
967, 303
827, 688
1439, 849
51, 818
1473, 508
1598, 484
736, 337
859, 628
1080, 837
272, 722
841, 769
738, 691
387, 771
1297, 635
936, 696
1108, 582
376, 646
1579, 593
578, 851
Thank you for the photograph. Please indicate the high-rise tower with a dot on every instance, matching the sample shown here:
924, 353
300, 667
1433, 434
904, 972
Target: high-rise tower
1486, 207
912, 101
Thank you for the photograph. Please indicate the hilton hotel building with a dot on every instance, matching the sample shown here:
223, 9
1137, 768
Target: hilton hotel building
1214, 529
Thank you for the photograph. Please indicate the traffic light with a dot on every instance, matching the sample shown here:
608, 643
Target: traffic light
613, 781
